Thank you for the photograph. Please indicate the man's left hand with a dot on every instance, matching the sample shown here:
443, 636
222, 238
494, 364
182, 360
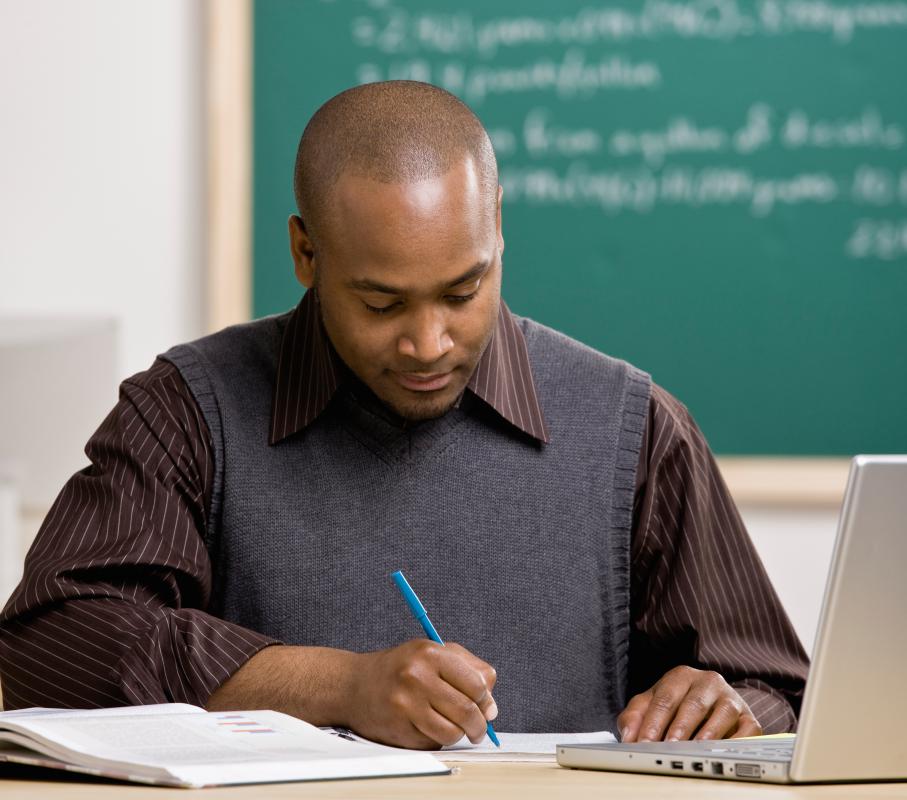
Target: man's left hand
687, 703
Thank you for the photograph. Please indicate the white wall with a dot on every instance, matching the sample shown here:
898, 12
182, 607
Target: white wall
101, 166
101, 202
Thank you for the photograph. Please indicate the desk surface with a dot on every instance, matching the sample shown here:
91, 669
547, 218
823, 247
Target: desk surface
499, 781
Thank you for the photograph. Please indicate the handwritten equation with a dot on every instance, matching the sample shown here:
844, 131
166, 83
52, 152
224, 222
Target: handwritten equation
579, 104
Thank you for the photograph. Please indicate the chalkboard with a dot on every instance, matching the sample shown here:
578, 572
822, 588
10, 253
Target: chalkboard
714, 190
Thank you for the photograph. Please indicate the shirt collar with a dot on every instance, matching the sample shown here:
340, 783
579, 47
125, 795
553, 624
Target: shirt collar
309, 372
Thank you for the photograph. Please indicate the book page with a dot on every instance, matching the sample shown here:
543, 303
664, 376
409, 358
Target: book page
77, 713
15, 728
200, 748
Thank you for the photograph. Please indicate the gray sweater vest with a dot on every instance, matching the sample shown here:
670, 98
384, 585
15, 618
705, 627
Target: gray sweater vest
519, 551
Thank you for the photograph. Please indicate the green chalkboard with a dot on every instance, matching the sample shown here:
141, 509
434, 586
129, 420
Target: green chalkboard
715, 191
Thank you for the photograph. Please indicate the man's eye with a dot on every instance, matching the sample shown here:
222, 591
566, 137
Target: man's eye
462, 298
380, 309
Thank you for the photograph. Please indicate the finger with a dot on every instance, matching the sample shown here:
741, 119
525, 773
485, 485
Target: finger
436, 727
416, 740
723, 719
460, 710
483, 699
459, 672
629, 720
693, 710
748, 725
488, 672
488, 707
666, 698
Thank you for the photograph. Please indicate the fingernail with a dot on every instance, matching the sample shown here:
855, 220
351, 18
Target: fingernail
652, 734
676, 734
625, 732
492, 711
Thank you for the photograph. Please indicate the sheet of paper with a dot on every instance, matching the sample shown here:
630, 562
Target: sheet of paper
519, 746
514, 746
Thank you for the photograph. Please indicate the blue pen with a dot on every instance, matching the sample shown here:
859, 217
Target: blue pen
421, 616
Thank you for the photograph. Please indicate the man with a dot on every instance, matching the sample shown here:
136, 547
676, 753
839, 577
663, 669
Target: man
232, 543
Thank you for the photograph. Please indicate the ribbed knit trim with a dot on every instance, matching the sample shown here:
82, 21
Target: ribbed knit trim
186, 360
633, 424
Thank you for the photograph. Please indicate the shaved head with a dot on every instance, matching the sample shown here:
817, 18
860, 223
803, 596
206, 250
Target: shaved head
392, 132
399, 231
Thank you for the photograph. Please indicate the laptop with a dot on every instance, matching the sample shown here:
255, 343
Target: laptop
855, 706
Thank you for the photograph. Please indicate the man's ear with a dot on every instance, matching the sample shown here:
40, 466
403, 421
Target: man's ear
303, 252
498, 220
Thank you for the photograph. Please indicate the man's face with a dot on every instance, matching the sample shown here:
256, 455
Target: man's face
408, 277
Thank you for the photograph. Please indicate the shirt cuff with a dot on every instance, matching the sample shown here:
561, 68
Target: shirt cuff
185, 657
769, 707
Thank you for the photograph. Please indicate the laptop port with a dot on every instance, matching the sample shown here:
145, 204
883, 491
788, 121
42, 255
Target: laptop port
748, 770
677, 765
697, 766
717, 768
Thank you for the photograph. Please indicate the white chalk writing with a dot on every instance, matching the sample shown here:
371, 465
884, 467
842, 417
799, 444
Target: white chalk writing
575, 84
680, 135
874, 238
395, 31
866, 130
542, 138
798, 130
642, 189
569, 76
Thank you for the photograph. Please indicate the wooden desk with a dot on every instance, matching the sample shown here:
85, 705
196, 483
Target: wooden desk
472, 781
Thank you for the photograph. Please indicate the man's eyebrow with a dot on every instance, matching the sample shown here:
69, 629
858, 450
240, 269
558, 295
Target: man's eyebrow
475, 271
365, 285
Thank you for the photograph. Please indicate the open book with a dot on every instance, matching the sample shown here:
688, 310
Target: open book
183, 745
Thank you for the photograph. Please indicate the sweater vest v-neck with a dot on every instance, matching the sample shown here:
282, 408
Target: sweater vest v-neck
519, 550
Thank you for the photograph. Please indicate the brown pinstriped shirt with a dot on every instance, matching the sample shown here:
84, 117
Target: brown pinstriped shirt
111, 608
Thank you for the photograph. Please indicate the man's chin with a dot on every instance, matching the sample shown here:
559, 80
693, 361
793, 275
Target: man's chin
420, 412
419, 409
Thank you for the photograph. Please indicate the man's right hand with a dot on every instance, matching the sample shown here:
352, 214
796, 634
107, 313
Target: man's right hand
421, 695
418, 695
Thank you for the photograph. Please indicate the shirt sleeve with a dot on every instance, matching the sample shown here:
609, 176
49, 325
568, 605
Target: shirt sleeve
110, 609
699, 593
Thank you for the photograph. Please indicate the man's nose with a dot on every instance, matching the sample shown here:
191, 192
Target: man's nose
426, 339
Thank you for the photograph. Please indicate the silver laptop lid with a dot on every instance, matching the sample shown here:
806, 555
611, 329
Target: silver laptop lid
852, 721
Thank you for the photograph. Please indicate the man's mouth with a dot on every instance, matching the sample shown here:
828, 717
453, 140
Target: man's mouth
423, 381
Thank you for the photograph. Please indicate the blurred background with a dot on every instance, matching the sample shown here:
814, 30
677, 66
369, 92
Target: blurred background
715, 191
